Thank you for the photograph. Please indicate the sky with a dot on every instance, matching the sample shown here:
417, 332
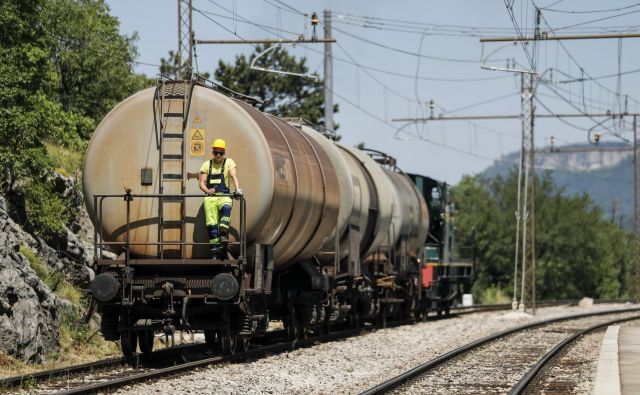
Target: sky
393, 57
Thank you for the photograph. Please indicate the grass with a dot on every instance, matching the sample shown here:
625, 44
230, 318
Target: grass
78, 342
65, 160
494, 295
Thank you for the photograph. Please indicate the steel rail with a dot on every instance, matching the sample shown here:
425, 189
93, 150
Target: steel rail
46, 375
172, 370
17, 381
532, 374
430, 365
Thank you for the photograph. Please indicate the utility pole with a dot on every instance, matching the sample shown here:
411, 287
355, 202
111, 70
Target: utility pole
184, 56
635, 205
328, 76
526, 188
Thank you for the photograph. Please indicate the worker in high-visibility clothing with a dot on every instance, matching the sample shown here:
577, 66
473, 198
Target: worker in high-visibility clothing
215, 177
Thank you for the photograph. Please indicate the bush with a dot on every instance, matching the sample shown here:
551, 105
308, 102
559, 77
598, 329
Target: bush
66, 161
492, 295
51, 280
46, 212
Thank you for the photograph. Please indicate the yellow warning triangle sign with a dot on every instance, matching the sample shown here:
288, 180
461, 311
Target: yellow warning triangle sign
197, 135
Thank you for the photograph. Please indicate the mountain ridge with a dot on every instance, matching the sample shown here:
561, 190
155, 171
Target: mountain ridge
599, 171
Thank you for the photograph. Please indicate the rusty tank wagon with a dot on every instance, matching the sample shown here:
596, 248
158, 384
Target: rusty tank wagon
323, 234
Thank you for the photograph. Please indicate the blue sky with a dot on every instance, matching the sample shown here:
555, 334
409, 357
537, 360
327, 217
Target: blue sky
393, 57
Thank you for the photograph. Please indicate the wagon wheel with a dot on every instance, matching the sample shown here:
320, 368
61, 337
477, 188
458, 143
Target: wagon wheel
145, 341
356, 318
228, 341
211, 337
291, 324
128, 343
243, 343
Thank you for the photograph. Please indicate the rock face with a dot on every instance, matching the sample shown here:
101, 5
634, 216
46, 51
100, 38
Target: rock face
29, 311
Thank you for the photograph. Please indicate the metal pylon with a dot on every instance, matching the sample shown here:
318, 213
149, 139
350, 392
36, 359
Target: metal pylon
185, 39
527, 187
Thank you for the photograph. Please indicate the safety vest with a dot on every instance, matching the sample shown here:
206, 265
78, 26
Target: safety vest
217, 180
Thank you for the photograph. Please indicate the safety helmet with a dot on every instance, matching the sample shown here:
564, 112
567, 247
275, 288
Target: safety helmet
219, 143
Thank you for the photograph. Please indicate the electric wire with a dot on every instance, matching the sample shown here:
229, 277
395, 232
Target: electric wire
404, 51
564, 48
591, 11
271, 29
597, 20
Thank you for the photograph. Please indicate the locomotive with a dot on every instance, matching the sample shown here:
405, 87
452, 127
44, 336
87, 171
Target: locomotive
323, 234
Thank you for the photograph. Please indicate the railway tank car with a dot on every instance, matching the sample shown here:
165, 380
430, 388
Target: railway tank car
324, 233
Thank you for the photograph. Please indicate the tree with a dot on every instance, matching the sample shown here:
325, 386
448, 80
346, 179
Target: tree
578, 252
93, 62
169, 67
64, 65
283, 96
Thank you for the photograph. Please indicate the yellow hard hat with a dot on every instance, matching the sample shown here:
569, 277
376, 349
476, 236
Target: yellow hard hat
219, 143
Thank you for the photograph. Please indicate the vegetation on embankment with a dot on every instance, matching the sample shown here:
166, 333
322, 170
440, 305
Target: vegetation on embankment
578, 251
64, 66
79, 342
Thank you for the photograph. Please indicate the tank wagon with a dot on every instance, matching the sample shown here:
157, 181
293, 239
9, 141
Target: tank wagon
323, 234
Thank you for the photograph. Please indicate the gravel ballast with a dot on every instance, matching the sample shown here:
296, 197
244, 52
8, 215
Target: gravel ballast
352, 365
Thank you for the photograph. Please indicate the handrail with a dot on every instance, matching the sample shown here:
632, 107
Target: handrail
128, 197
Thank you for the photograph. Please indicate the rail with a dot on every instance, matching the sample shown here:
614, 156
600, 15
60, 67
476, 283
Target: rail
128, 197
532, 374
422, 369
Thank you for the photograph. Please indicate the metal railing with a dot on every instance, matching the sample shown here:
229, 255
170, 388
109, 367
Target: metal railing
128, 197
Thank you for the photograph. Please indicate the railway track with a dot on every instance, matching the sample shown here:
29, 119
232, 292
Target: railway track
112, 380
530, 379
491, 366
115, 368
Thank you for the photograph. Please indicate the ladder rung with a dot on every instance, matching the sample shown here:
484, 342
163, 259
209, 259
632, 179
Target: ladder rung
173, 114
174, 96
172, 135
172, 241
171, 224
172, 176
172, 156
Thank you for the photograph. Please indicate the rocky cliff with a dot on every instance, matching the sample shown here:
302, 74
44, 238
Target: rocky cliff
29, 311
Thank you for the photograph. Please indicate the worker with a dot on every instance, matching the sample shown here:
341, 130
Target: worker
215, 176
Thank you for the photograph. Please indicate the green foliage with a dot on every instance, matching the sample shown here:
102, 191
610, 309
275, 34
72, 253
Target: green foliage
169, 67
92, 61
64, 65
283, 96
46, 211
578, 253
491, 295
72, 329
51, 280
65, 160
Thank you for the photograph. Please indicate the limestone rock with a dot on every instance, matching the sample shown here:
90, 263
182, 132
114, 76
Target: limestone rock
29, 311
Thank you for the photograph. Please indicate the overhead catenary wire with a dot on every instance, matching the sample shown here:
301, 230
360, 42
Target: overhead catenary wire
271, 29
596, 20
353, 62
590, 11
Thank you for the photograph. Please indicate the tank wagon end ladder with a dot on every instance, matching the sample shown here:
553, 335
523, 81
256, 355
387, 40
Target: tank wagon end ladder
171, 111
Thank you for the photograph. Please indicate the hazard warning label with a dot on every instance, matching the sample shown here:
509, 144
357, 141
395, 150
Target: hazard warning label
197, 146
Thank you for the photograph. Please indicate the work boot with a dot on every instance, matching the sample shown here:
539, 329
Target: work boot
216, 252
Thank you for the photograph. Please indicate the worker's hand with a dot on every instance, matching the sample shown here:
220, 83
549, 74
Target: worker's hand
211, 191
238, 192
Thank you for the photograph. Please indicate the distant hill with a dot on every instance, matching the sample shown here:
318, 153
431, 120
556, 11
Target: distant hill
607, 176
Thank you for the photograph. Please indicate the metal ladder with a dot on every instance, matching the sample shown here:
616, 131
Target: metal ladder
171, 110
